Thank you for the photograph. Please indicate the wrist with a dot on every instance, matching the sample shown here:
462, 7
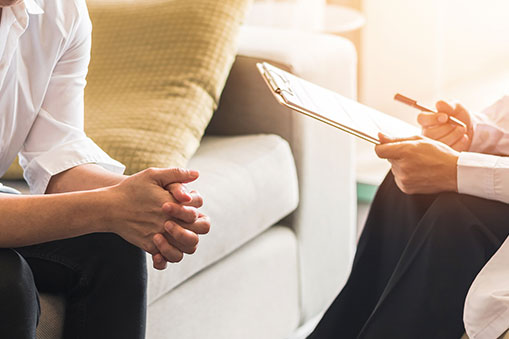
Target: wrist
453, 182
106, 210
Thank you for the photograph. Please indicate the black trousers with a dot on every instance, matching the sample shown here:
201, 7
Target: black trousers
102, 277
415, 262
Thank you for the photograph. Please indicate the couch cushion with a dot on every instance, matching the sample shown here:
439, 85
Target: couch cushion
251, 294
248, 183
51, 323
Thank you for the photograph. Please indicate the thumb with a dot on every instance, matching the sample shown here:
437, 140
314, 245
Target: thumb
167, 176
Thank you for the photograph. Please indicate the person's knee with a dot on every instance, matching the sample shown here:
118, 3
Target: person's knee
450, 216
17, 287
120, 259
445, 201
16, 274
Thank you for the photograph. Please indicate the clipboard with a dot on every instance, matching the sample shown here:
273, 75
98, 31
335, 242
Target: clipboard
332, 108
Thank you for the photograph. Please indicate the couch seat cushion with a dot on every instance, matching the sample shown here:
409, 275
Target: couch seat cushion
248, 183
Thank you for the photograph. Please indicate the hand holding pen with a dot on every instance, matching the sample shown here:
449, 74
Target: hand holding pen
450, 125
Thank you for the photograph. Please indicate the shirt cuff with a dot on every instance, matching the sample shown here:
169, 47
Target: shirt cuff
483, 175
39, 170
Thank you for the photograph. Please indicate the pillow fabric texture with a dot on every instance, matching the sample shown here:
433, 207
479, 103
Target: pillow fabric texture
158, 68
157, 71
15, 172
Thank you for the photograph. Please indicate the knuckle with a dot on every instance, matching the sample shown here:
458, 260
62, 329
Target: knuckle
150, 171
172, 228
193, 240
199, 200
149, 247
169, 207
190, 215
194, 214
177, 257
175, 186
177, 171
206, 227
403, 180
192, 250
178, 234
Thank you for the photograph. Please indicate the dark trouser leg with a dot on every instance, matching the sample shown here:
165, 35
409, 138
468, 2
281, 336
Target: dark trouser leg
19, 304
415, 262
103, 279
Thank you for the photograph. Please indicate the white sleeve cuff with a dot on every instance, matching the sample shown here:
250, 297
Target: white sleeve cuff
41, 168
485, 176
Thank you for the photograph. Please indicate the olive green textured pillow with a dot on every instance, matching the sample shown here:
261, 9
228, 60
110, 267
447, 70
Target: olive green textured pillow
158, 68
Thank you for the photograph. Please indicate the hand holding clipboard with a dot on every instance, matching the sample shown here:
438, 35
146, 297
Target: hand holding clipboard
332, 108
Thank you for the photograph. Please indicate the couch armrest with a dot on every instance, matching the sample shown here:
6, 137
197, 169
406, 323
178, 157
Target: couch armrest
325, 219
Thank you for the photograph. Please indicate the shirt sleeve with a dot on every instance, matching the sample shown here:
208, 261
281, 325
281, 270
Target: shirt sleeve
484, 175
482, 171
491, 129
57, 140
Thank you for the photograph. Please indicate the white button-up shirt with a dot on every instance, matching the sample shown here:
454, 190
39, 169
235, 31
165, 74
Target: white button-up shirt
44, 56
487, 175
486, 314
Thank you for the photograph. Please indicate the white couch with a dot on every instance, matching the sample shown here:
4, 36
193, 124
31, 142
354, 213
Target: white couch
280, 189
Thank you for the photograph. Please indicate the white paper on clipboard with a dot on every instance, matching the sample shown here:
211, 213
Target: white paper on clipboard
332, 108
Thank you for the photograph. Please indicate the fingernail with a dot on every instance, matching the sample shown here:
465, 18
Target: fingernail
157, 240
442, 118
168, 226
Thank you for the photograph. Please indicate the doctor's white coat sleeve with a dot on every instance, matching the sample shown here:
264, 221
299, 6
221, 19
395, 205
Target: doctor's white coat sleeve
486, 312
484, 171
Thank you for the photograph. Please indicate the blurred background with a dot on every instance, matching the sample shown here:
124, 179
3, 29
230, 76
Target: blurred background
428, 50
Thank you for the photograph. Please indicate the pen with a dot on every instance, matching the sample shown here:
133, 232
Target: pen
413, 103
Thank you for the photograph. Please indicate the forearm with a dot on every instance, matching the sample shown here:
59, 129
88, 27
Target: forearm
83, 178
30, 220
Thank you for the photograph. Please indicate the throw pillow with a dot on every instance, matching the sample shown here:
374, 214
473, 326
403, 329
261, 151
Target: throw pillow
158, 68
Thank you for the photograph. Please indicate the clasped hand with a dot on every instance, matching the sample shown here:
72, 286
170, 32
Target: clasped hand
158, 214
428, 164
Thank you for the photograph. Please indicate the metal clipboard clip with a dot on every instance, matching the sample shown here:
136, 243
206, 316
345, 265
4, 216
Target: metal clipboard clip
278, 82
